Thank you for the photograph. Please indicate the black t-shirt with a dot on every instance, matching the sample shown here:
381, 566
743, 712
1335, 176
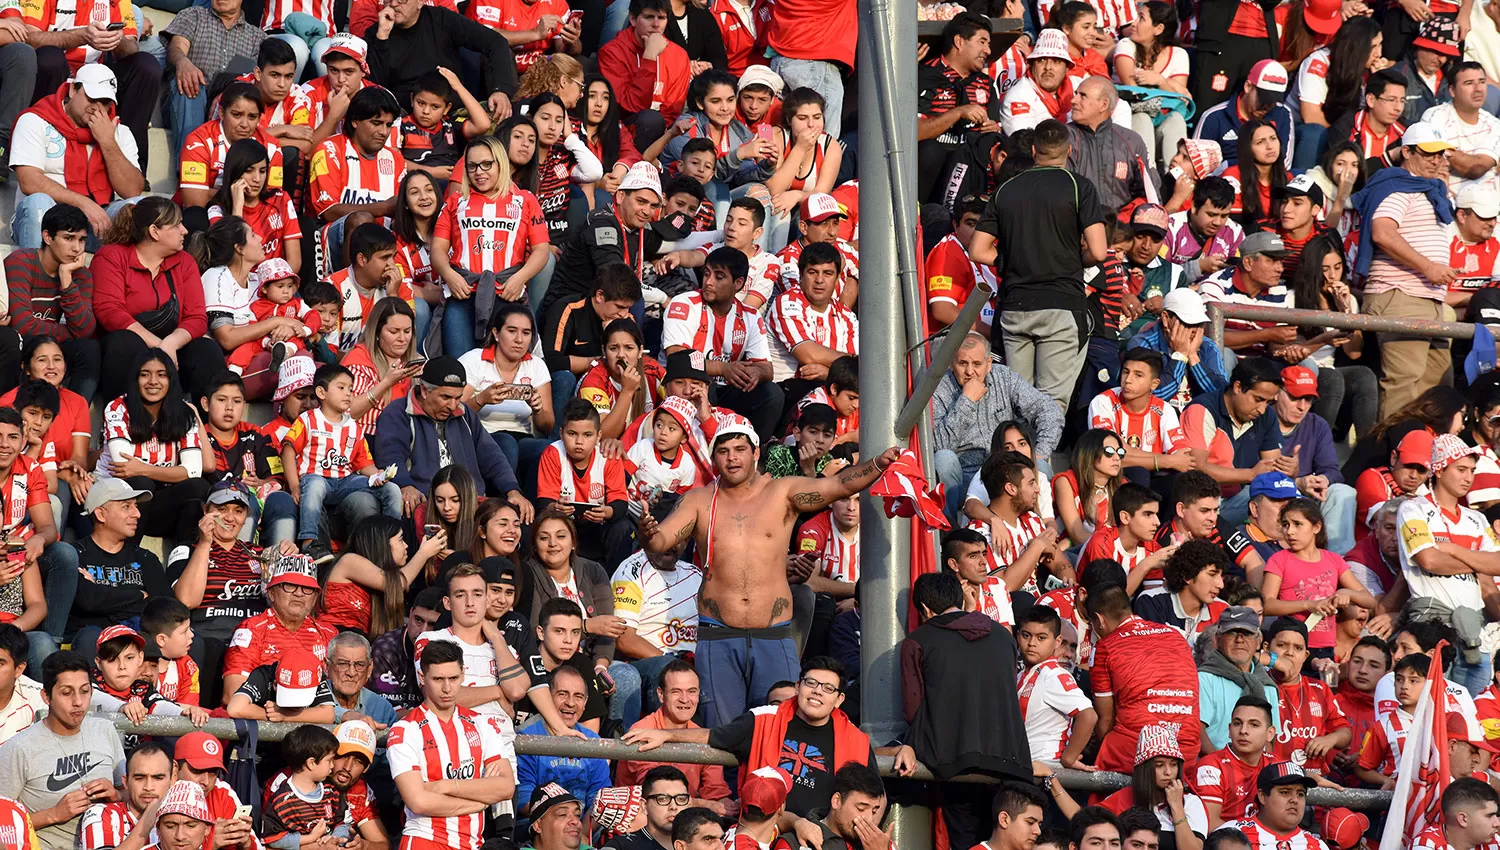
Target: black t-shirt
594, 709
251, 451
1038, 218
519, 635
260, 687
641, 839
804, 755
121, 582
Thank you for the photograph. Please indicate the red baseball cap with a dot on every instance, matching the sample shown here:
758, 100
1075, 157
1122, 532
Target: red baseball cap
1415, 449
200, 750
1459, 728
298, 674
1323, 16
766, 789
1344, 828
117, 631
1299, 382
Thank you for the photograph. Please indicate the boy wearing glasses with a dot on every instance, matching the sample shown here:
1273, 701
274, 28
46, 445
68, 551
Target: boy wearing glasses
809, 737
664, 788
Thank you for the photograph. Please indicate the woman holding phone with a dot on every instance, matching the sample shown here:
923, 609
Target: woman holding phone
508, 387
381, 363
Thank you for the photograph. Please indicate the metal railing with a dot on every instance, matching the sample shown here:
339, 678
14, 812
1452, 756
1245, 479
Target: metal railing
1218, 312
1102, 782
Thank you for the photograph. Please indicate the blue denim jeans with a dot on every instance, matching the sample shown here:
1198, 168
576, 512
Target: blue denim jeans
458, 326
1475, 677
1338, 515
321, 494
616, 18
1312, 140
423, 311
820, 76
523, 454
59, 564
278, 519
564, 387
304, 54
954, 476
26, 227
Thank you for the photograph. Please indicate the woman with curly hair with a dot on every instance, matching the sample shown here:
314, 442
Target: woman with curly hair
557, 73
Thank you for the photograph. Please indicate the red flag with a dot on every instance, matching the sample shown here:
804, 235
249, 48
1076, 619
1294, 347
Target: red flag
904, 488
1423, 773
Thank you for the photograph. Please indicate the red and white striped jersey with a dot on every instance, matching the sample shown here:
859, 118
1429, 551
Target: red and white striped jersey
491, 234
1262, 837
60, 15
738, 335
1475, 263
103, 827
820, 395
294, 110
340, 174
1113, 14
16, 831
1105, 543
1486, 487
203, 154
1381, 749
317, 93
790, 273
1050, 699
460, 747
840, 554
994, 601
277, 10
327, 448
648, 469
794, 321
1007, 70
25, 489
153, 451
1157, 430
765, 271
1007, 541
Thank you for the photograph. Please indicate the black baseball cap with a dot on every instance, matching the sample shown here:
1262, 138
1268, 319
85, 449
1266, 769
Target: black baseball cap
498, 569
685, 364
445, 371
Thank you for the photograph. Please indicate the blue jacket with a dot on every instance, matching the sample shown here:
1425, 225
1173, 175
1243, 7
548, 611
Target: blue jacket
409, 440
1222, 124
583, 778
1317, 456
1385, 183
1206, 377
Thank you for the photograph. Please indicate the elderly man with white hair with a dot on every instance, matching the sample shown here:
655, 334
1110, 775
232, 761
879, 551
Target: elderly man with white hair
1112, 156
348, 667
974, 397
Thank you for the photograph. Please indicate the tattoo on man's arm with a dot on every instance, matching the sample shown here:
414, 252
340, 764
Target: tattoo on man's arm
684, 533
510, 672
859, 476
711, 607
808, 500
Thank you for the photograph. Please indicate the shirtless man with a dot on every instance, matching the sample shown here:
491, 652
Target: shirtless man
743, 527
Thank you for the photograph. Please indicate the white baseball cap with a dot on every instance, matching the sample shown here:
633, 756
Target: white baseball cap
642, 175
98, 82
1480, 200
1186, 305
1051, 44
1427, 137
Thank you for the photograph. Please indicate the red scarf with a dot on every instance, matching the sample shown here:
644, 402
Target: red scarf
1060, 104
850, 744
83, 164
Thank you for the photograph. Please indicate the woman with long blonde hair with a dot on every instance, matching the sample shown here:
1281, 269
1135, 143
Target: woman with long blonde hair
491, 225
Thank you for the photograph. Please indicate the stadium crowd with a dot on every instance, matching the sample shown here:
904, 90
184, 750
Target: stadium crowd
406, 414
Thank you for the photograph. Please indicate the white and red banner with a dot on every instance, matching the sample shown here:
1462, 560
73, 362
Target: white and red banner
1423, 773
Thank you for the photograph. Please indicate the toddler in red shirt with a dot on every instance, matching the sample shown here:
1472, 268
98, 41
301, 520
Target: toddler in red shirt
277, 285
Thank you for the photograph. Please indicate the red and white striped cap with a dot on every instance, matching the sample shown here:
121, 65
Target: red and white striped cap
185, 798
1158, 739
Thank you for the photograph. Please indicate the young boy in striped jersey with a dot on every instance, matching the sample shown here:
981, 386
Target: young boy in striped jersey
327, 460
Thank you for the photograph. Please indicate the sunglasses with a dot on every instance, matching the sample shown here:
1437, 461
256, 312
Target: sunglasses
1113, 451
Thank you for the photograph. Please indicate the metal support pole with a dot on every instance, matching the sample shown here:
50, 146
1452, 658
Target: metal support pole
887, 155
926, 383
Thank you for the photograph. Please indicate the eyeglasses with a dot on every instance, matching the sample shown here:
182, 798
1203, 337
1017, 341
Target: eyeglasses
1113, 451
486, 165
297, 589
669, 799
1392, 100
1493, 421
350, 666
821, 687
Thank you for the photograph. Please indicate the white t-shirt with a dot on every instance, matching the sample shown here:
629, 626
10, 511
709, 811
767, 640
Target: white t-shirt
223, 294
38, 144
25, 706
512, 415
480, 668
1050, 699
661, 605
1481, 137
1422, 524
1312, 80
1459, 699
1176, 64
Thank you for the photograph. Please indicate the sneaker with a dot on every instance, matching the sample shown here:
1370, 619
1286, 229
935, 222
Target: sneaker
318, 551
279, 352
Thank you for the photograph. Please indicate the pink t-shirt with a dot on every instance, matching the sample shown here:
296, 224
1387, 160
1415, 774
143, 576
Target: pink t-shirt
1302, 580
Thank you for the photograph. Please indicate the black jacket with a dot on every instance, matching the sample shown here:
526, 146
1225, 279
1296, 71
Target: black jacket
962, 722
400, 60
703, 41
967, 172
